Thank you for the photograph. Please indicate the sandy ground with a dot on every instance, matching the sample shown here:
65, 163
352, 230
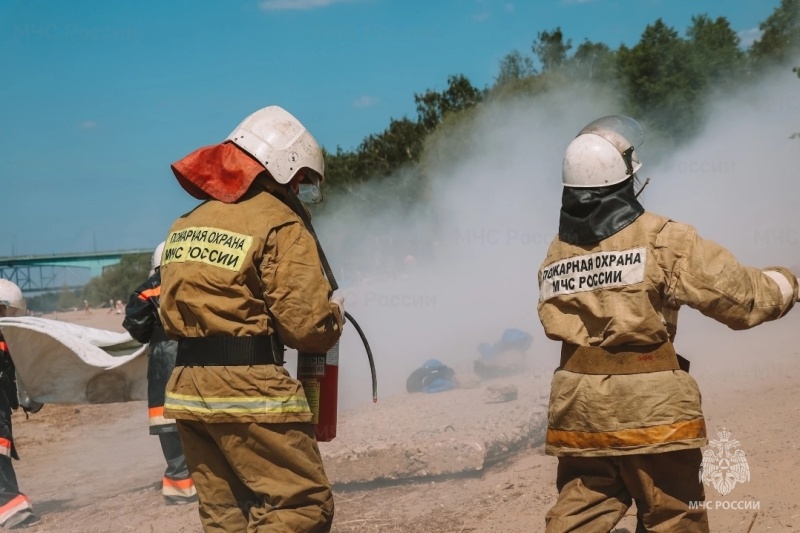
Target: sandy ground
94, 468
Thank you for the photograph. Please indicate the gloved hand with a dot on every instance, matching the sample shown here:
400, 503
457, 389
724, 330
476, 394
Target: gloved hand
32, 407
783, 278
24, 400
339, 301
28, 404
797, 279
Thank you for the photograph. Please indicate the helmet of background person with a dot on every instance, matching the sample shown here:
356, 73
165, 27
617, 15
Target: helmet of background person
155, 259
11, 298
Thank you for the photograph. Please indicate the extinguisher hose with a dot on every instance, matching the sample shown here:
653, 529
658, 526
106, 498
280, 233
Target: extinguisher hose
296, 205
349, 317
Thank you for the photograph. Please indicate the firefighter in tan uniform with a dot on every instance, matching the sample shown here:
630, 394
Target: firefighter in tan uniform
241, 278
625, 418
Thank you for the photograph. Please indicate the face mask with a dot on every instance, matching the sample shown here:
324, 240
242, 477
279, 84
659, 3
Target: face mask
309, 193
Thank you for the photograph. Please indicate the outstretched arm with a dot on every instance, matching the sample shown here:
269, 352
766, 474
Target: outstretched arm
707, 277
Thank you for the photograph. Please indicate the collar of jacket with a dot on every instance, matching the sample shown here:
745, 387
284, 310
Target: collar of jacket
589, 215
264, 182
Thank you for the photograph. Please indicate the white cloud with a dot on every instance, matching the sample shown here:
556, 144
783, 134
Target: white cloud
300, 5
87, 125
748, 37
510, 8
481, 17
365, 101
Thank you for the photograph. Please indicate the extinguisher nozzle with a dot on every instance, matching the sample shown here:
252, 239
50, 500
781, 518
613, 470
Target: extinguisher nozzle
350, 318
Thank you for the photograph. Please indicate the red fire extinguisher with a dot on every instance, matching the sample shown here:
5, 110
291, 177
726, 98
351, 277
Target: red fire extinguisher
319, 374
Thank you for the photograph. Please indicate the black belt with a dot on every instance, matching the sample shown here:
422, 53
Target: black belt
226, 351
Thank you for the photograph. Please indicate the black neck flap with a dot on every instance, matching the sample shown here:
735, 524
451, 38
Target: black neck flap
591, 214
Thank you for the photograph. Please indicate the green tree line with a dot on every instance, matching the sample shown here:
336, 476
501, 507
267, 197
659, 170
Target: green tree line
664, 80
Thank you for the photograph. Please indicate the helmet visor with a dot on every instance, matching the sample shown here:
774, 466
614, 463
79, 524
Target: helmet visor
623, 132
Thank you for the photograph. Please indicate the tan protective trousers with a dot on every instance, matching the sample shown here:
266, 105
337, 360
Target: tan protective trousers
594, 493
257, 478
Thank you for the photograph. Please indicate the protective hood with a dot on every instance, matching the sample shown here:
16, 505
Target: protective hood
223, 172
591, 214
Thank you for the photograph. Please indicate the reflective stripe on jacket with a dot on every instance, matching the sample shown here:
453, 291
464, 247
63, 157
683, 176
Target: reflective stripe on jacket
626, 290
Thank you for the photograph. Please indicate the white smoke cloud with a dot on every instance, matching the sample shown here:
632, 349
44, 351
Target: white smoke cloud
493, 209
737, 182
477, 244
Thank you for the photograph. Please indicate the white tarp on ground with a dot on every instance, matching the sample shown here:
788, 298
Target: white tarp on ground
60, 362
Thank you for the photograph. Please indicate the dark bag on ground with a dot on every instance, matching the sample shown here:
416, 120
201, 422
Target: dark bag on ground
432, 376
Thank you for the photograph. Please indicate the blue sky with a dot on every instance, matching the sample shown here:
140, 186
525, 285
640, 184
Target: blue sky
98, 98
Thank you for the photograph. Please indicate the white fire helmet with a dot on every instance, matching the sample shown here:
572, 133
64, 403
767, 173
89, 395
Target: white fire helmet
11, 298
603, 153
281, 143
155, 260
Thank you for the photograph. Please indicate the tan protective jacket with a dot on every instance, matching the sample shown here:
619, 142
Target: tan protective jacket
625, 291
244, 269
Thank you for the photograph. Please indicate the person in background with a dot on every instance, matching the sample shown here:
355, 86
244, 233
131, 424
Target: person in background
144, 325
625, 417
16, 511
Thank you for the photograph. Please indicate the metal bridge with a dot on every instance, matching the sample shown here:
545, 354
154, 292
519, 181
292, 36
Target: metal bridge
43, 273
